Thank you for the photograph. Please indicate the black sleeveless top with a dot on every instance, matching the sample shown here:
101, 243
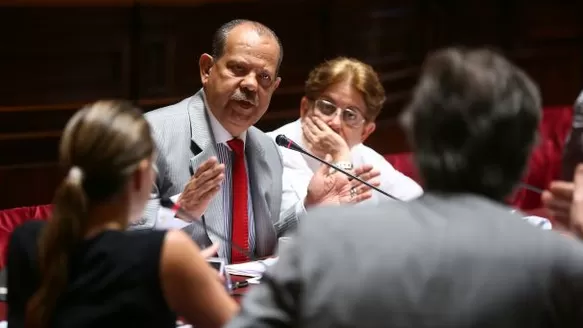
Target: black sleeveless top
114, 280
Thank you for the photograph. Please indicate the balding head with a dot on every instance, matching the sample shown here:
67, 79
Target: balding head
222, 33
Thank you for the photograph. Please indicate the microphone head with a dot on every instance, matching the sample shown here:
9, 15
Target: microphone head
282, 140
166, 202
285, 142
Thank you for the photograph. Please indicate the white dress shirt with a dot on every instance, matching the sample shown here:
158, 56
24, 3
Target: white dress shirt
299, 169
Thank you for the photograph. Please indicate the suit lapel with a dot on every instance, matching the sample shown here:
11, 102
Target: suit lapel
260, 176
203, 147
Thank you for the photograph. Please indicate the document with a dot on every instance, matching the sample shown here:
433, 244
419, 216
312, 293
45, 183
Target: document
538, 221
252, 269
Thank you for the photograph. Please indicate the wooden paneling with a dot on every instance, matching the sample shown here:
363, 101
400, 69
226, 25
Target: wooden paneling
59, 54
67, 3
169, 52
62, 55
548, 44
28, 185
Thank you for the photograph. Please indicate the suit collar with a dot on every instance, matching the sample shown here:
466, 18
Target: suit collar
200, 130
203, 147
260, 180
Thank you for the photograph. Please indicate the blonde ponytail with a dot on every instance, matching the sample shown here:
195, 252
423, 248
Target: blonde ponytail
63, 232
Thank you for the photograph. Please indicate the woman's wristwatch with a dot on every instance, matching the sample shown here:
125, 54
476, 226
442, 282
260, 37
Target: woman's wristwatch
344, 165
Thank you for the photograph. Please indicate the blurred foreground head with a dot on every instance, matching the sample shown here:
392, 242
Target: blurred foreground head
472, 122
107, 150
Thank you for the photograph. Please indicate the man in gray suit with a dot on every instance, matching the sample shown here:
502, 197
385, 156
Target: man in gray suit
455, 257
225, 171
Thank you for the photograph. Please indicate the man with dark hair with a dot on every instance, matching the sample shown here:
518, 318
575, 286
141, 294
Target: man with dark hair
221, 168
456, 256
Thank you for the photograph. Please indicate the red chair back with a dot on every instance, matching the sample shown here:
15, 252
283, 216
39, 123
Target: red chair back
544, 164
403, 162
11, 218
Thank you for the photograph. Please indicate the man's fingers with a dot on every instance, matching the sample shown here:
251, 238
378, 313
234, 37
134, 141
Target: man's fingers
209, 193
546, 197
562, 189
577, 203
210, 173
212, 161
210, 251
578, 186
559, 205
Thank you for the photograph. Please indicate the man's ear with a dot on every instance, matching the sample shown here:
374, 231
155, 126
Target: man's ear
368, 130
276, 83
304, 106
205, 63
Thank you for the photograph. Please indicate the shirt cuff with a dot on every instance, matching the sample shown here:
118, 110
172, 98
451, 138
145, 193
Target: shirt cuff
300, 209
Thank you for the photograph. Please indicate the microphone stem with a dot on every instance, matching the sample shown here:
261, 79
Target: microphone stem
531, 188
352, 176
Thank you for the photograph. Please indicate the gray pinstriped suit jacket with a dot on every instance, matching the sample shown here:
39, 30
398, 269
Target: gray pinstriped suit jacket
184, 141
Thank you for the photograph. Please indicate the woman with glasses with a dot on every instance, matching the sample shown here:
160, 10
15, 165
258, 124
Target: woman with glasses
342, 99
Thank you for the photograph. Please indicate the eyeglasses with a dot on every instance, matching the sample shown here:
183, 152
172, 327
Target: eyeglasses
350, 117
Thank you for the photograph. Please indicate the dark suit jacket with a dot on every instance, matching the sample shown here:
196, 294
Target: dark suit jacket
457, 261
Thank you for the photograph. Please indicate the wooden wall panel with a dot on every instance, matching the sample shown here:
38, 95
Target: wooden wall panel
52, 56
53, 60
58, 55
548, 44
28, 185
174, 38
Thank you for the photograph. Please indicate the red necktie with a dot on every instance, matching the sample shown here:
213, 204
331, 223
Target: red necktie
240, 218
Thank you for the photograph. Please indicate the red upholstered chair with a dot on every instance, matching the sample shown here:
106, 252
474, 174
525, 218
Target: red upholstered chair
11, 218
403, 162
544, 164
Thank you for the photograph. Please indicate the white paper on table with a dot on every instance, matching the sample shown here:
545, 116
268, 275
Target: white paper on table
166, 219
254, 281
252, 269
538, 221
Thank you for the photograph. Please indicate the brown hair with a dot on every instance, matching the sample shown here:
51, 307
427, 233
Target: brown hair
101, 146
362, 77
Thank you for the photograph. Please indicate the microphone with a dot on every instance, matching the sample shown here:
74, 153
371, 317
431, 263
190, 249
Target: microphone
180, 212
285, 142
531, 188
